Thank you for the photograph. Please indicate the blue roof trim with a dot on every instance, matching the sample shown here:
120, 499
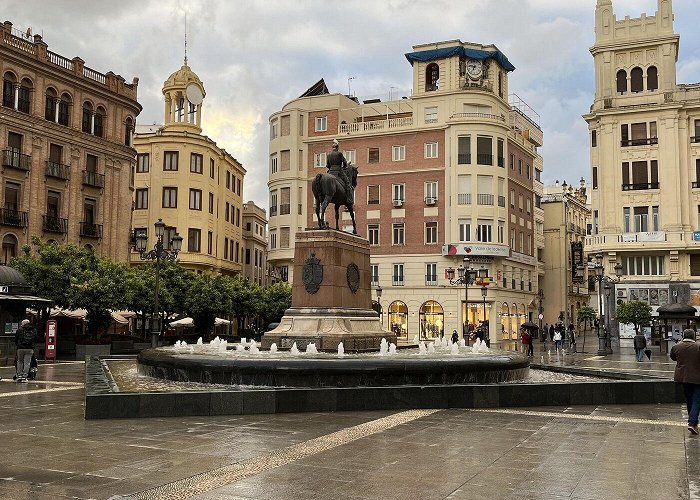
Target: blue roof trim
431, 55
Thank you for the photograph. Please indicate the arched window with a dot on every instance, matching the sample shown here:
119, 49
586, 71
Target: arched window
9, 87
500, 83
64, 109
128, 131
398, 319
432, 75
51, 106
432, 320
621, 81
514, 321
637, 77
23, 99
87, 117
9, 247
505, 322
99, 121
89, 248
652, 78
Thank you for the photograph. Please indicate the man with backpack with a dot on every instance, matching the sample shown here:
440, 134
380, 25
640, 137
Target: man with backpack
25, 337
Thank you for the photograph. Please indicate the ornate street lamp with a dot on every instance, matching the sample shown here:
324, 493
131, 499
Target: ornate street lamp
467, 275
540, 296
379, 301
484, 291
157, 254
605, 284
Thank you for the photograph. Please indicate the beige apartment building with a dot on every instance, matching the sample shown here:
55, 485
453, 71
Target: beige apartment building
184, 178
450, 171
644, 132
255, 266
67, 155
565, 281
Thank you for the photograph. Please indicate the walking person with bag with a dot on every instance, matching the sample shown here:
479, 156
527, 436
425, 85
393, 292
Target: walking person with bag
25, 337
557, 340
640, 343
686, 354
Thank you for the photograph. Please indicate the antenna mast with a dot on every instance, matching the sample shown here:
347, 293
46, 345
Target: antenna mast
185, 38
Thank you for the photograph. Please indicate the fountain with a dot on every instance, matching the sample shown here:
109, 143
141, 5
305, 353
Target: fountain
294, 351
341, 350
273, 348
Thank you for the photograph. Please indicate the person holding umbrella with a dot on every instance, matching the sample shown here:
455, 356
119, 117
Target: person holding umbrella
686, 354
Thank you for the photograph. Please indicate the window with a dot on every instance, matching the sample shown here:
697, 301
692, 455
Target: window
432, 77
128, 131
464, 156
483, 231
227, 217
520, 202
431, 274
512, 239
626, 219
350, 156
373, 195
273, 129
399, 192
512, 162
141, 199
528, 206
196, 162
170, 160
321, 123
169, 197
399, 230
621, 79
465, 230
484, 151
228, 180
431, 191
528, 171
431, 233
226, 247
431, 114
398, 153
594, 138
373, 155
431, 150
373, 234
53, 204
273, 239
284, 237
87, 118
63, 107
238, 187
211, 203
641, 219
51, 105
501, 231
374, 274
273, 203
522, 242
247, 256
142, 162
195, 199
520, 166
594, 227
643, 265
637, 80
273, 164
595, 178
210, 242
397, 278
655, 221
12, 198
652, 79
211, 167
319, 160
285, 201
98, 119
499, 149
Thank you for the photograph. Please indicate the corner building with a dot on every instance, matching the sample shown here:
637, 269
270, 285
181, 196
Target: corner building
66, 135
184, 178
644, 133
450, 171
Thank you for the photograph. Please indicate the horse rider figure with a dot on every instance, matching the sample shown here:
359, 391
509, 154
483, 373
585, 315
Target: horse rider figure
338, 167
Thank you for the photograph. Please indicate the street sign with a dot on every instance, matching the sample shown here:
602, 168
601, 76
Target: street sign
541, 316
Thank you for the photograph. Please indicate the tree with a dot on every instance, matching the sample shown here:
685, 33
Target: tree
244, 299
636, 312
586, 314
276, 299
206, 299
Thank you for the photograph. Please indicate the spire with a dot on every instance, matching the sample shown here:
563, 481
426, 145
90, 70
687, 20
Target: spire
185, 38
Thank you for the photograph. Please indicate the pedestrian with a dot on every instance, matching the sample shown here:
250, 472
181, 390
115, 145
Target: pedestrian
25, 337
572, 336
525, 339
551, 333
455, 337
557, 340
530, 347
640, 343
686, 354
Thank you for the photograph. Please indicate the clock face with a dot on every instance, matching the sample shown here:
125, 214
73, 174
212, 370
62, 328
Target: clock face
474, 68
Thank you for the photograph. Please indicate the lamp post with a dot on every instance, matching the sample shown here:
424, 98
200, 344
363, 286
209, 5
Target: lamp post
603, 282
484, 291
379, 301
157, 254
466, 277
540, 296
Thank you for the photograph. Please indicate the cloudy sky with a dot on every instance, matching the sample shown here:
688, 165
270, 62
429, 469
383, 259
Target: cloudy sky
254, 56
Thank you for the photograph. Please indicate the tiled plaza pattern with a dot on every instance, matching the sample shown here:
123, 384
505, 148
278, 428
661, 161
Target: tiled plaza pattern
630, 452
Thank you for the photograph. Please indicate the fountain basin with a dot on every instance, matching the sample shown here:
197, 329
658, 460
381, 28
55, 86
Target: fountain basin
326, 370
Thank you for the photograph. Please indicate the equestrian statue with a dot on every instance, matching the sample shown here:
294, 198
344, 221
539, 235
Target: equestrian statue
337, 187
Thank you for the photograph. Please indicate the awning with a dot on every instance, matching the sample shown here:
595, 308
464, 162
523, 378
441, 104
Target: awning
118, 318
68, 313
221, 321
431, 55
182, 322
25, 298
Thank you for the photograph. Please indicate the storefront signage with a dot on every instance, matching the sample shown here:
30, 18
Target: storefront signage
578, 271
521, 258
50, 351
475, 249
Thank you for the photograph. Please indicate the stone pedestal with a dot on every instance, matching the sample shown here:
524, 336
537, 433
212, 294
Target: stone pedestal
331, 296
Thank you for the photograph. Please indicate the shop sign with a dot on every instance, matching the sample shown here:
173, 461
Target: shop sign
521, 258
578, 271
475, 249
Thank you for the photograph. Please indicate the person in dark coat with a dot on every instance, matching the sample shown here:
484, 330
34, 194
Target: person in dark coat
455, 337
640, 343
686, 354
551, 333
25, 337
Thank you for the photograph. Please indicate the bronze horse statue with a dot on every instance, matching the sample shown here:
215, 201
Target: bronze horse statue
327, 188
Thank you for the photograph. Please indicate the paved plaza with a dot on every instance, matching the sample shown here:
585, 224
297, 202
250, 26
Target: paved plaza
626, 452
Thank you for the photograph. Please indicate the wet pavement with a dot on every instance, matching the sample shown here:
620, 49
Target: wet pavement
580, 452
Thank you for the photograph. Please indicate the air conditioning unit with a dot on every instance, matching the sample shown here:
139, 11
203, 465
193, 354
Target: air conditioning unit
398, 203
430, 201
622, 293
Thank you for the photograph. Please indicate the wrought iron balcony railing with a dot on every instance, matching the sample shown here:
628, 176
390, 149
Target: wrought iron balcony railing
16, 218
90, 230
15, 159
57, 170
93, 179
53, 224
640, 186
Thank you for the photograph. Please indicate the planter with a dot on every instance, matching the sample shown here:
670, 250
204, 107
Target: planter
82, 350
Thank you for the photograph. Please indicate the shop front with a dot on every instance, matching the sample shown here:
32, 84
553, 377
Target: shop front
432, 320
398, 319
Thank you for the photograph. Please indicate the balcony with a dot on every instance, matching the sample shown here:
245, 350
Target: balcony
375, 126
501, 162
484, 199
502, 201
640, 186
9, 217
397, 280
431, 279
464, 198
464, 158
53, 224
648, 141
484, 159
273, 211
57, 170
695, 138
93, 179
90, 230
284, 208
15, 159
696, 184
